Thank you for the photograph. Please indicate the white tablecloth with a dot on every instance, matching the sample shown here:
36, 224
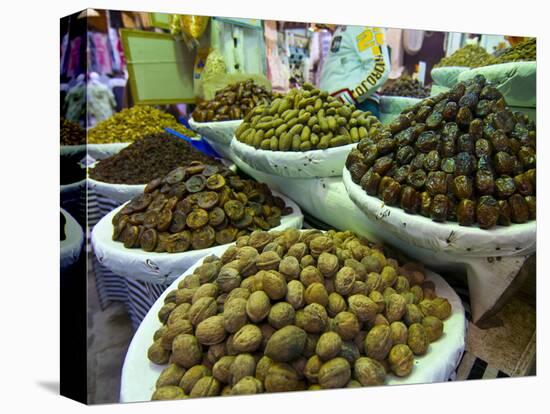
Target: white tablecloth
158, 267
139, 375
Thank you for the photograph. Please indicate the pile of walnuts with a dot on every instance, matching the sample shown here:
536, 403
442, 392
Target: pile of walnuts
294, 310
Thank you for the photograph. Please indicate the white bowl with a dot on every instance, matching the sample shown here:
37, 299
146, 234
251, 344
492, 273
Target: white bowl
154, 267
294, 164
448, 237
139, 375
217, 134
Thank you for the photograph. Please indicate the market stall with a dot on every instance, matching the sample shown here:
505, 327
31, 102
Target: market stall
198, 189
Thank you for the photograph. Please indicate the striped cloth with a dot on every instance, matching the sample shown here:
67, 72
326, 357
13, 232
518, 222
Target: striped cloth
137, 296
141, 297
74, 202
110, 287
472, 367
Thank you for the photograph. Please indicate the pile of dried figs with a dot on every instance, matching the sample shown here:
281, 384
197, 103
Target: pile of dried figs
196, 207
294, 310
461, 156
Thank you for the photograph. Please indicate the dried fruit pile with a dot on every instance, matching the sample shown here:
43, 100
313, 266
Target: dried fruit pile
196, 207
232, 102
524, 51
303, 120
471, 56
71, 133
291, 310
460, 156
406, 86
134, 123
148, 158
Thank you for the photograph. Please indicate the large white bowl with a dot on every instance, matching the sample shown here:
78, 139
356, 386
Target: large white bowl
217, 134
159, 267
139, 375
448, 237
491, 259
448, 75
517, 81
102, 151
294, 164
125, 192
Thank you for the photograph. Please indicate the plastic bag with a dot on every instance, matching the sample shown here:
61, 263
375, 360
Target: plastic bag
190, 27
194, 26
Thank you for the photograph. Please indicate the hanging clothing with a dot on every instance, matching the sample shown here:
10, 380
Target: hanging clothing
394, 37
75, 103
412, 41
101, 101
357, 64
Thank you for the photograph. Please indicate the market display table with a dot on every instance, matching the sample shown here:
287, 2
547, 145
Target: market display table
437, 365
148, 274
492, 272
71, 247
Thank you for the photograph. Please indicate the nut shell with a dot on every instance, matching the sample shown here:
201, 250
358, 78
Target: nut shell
247, 339
369, 372
335, 373
328, 346
211, 330
378, 342
186, 351
286, 344
401, 360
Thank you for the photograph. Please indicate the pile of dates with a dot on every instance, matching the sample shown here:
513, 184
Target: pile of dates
196, 207
294, 310
405, 86
459, 156
303, 120
232, 102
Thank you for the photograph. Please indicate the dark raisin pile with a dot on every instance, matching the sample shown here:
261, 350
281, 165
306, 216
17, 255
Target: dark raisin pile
146, 159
